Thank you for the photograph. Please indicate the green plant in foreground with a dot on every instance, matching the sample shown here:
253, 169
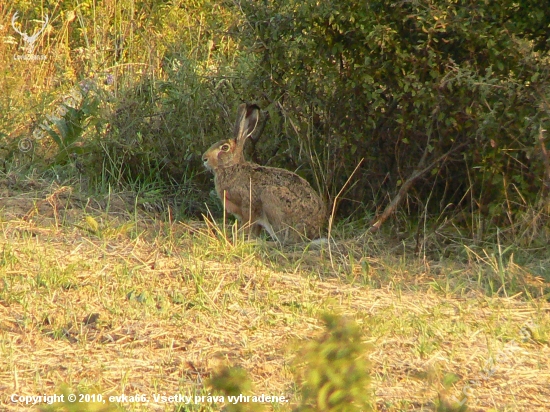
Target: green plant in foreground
332, 370
332, 373
234, 381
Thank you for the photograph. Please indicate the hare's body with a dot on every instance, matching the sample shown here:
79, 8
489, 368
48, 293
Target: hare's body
278, 200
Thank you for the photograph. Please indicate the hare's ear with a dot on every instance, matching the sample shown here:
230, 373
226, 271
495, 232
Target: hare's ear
247, 119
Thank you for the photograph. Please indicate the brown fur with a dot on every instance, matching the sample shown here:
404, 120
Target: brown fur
276, 199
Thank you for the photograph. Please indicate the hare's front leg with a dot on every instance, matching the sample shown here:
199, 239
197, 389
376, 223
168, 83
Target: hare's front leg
249, 212
264, 222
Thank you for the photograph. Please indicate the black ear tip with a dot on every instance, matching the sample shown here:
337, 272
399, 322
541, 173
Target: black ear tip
251, 108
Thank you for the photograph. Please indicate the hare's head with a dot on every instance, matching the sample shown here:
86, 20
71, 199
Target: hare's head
229, 152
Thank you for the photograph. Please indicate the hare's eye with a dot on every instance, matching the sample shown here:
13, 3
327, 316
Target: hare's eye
225, 147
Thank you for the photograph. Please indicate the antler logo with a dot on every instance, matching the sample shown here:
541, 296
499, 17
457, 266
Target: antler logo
29, 41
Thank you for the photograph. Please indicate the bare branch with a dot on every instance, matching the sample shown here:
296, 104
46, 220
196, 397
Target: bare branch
420, 170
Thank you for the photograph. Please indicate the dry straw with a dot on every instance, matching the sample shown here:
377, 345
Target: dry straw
154, 307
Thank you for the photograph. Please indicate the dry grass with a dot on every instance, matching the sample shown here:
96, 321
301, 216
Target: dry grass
109, 300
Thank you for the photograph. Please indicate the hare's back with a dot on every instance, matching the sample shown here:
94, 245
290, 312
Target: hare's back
273, 178
290, 193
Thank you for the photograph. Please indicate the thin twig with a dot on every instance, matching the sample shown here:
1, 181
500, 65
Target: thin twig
545, 159
331, 217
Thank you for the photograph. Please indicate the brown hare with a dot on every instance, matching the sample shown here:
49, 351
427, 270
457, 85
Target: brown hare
278, 200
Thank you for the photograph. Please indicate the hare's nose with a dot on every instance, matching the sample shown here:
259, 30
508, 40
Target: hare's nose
204, 159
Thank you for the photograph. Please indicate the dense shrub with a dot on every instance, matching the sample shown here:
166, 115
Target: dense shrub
385, 81
461, 85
